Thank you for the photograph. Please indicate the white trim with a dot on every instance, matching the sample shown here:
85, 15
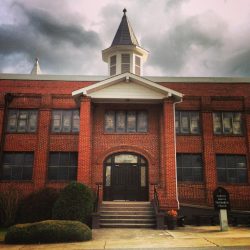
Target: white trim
124, 78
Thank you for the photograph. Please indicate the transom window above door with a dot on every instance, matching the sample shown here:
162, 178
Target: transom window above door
126, 121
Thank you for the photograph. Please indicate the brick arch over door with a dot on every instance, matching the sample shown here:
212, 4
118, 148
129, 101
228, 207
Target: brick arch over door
132, 149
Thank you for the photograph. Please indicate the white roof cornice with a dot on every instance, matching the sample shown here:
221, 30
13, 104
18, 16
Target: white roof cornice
126, 78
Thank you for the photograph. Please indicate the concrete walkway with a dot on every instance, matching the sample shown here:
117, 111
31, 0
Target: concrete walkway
189, 236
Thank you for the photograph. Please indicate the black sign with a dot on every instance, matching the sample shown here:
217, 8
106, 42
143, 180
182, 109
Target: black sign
221, 199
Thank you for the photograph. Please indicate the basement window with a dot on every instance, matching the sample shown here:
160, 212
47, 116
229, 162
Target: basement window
62, 166
189, 167
17, 166
231, 168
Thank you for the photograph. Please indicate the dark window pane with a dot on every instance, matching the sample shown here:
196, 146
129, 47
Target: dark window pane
27, 173
227, 123
120, 121
6, 174
63, 173
28, 159
110, 121
189, 167
54, 159
17, 173
64, 166
177, 121
222, 177
194, 123
64, 159
184, 123
56, 121
32, 121
217, 123
72, 173
76, 121
73, 158
231, 168
131, 121
67, 117
52, 173
17, 166
142, 122
12, 121
242, 175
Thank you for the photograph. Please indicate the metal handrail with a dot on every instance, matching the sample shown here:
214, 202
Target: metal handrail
96, 203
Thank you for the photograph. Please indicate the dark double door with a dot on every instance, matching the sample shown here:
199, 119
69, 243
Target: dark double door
127, 182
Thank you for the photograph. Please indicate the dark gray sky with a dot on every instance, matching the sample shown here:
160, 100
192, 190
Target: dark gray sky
184, 37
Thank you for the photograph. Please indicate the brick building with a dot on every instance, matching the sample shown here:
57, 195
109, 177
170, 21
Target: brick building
184, 136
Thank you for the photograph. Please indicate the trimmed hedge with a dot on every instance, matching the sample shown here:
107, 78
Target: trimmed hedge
75, 202
50, 231
37, 206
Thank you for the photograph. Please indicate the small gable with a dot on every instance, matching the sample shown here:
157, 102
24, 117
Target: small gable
127, 86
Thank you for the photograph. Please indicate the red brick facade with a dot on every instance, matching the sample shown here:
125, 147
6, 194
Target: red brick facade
158, 145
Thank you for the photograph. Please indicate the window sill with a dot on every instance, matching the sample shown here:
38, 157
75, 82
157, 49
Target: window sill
233, 184
58, 181
126, 133
64, 133
229, 135
17, 181
188, 134
21, 133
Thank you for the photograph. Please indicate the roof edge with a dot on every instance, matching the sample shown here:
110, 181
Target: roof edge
157, 79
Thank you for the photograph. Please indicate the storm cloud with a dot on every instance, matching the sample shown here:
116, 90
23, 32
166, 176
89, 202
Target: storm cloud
61, 46
184, 37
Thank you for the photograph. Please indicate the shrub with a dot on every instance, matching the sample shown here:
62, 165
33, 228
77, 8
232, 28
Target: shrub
75, 202
9, 200
37, 206
50, 231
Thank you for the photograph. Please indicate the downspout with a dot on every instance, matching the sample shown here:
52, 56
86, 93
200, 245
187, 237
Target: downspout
176, 184
7, 100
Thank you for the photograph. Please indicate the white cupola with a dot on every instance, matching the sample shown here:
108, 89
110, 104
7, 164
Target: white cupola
125, 53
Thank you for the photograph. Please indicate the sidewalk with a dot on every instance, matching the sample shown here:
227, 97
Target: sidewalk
189, 236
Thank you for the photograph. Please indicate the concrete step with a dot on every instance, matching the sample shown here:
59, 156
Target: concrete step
115, 212
127, 215
126, 225
129, 221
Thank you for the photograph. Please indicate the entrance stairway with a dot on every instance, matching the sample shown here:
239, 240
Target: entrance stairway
119, 214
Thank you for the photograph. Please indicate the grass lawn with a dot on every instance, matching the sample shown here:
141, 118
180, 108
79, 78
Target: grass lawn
2, 234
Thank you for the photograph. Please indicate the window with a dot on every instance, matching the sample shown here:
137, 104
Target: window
125, 63
187, 122
22, 121
112, 65
137, 65
126, 121
189, 167
231, 168
17, 166
227, 123
62, 166
65, 121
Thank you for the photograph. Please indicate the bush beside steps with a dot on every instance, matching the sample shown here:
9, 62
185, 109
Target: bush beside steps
49, 231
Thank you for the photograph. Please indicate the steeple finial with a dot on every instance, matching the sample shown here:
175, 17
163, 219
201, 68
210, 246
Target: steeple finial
36, 68
124, 11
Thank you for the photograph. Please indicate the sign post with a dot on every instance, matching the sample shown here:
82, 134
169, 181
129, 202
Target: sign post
222, 203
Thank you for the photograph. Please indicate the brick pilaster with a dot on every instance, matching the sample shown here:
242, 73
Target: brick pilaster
170, 192
42, 146
209, 159
85, 145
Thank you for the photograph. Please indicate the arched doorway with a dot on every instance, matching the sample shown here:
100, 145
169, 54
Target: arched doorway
125, 177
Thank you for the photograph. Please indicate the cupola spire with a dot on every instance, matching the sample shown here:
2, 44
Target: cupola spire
36, 68
125, 53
